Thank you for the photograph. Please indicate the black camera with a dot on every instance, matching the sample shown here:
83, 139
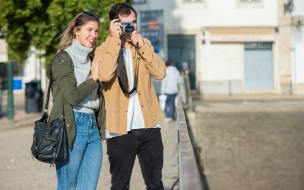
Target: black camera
127, 27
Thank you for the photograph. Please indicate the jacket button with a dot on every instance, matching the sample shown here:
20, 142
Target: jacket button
138, 93
126, 110
142, 52
142, 105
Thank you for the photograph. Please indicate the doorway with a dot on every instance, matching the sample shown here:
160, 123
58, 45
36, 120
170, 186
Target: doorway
181, 50
258, 66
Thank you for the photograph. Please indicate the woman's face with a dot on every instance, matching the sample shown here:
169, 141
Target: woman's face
87, 34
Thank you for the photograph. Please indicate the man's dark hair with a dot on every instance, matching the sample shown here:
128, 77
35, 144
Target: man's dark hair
123, 9
169, 63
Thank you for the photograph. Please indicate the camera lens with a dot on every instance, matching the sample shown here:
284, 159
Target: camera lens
129, 29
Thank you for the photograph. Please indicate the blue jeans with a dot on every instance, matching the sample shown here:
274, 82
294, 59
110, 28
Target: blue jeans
170, 106
82, 168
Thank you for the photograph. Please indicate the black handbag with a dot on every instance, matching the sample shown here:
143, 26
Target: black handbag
50, 137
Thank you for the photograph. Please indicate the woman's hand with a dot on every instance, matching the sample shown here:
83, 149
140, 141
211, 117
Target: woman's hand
115, 28
94, 69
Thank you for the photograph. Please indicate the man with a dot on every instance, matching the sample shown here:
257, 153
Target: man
169, 87
132, 108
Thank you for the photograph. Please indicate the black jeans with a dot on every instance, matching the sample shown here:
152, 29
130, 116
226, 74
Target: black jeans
122, 150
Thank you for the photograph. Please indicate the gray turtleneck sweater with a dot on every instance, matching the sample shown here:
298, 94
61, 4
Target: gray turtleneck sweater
82, 65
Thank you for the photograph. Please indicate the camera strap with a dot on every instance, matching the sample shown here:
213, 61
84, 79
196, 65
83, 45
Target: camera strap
122, 75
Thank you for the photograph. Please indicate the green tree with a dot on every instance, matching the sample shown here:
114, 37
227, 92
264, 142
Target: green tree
39, 23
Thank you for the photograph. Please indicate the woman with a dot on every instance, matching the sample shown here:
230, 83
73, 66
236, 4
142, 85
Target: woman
76, 95
169, 87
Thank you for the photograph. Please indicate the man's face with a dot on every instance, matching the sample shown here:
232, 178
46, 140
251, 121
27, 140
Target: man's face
129, 18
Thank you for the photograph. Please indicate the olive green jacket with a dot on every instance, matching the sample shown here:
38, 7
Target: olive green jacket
66, 94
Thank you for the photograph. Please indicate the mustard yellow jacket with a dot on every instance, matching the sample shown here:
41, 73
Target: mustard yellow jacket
150, 65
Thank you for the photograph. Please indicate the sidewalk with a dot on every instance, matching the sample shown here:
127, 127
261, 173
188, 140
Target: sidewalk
246, 97
21, 118
20, 171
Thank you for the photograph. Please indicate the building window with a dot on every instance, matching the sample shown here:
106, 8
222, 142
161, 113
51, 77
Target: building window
249, 4
257, 45
139, 1
249, 1
192, 1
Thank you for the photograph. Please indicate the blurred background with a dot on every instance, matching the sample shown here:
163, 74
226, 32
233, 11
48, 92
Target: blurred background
229, 47
243, 62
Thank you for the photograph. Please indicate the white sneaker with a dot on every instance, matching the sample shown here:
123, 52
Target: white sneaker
167, 120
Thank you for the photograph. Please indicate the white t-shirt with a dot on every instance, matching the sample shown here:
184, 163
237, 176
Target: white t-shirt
135, 119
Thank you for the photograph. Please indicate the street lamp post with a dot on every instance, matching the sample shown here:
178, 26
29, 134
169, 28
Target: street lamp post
10, 97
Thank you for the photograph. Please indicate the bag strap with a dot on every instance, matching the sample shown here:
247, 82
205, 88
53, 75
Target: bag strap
46, 106
121, 68
47, 100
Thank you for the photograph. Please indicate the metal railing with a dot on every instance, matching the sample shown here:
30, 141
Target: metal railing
185, 90
189, 175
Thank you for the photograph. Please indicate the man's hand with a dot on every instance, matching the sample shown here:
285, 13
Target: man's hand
115, 28
137, 39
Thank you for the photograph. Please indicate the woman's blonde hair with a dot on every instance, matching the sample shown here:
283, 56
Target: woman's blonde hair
77, 22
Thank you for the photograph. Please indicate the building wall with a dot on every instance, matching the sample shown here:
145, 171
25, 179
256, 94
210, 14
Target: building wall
221, 36
34, 70
3, 54
23, 74
284, 26
227, 60
297, 47
228, 13
221, 28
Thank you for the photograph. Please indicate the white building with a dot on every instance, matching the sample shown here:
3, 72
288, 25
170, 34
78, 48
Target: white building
32, 70
230, 46
297, 47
